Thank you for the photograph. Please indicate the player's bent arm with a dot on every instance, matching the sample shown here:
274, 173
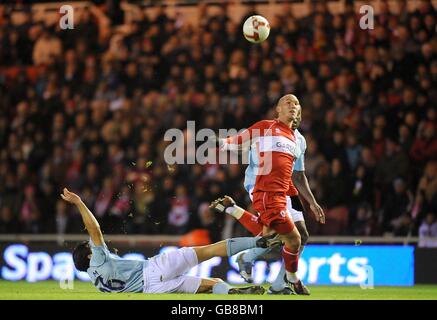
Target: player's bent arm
243, 140
300, 181
91, 224
305, 204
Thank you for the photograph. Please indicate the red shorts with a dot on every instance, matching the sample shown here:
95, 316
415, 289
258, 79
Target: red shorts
272, 208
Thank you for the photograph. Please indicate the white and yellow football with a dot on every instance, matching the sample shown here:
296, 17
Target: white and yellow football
256, 29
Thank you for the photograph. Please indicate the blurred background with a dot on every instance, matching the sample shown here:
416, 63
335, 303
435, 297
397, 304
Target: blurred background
88, 107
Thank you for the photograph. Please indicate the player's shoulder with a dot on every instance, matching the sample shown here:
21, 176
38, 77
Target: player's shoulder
298, 134
265, 123
299, 137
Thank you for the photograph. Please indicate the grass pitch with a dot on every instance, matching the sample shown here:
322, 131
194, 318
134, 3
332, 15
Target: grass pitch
50, 290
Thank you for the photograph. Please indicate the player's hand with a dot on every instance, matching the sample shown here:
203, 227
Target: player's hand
318, 212
70, 197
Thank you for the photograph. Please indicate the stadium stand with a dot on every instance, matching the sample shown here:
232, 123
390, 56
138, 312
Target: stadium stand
87, 108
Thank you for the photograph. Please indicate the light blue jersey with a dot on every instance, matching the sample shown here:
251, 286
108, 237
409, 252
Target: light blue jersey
110, 273
252, 168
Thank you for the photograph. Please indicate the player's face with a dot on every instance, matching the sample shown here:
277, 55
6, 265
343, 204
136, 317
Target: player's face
288, 107
296, 122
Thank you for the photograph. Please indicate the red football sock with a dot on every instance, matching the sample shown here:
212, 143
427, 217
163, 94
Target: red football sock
291, 259
251, 223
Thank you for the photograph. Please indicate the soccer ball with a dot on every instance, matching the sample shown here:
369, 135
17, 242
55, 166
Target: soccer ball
256, 29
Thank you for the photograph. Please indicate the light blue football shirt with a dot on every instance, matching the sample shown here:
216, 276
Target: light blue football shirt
110, 273
252, 168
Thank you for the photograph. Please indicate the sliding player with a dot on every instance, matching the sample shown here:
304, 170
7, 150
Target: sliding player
164, 273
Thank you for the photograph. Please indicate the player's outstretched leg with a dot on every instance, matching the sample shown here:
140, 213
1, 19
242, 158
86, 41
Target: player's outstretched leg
279, 285
229, 247
166, 272
251, 223
247, 219
245, 261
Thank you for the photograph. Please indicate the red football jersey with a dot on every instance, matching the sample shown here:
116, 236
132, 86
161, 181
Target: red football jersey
275, 143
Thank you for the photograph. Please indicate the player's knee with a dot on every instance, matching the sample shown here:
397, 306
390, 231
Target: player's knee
292, 240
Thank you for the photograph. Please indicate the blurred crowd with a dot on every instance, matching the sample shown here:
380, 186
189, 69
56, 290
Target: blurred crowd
88, 108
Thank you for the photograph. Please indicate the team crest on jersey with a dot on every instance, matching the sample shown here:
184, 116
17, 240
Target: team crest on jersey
282, 213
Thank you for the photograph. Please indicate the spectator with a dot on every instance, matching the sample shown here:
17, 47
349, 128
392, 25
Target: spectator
397, 206
48, 48
361, 186
393, 164
353, 151
313, 160
424, 147
104, 199
179, 214
365, 223
426, 194
62, 218
428, 229
8, 222
208, 221
336, 186
30, 215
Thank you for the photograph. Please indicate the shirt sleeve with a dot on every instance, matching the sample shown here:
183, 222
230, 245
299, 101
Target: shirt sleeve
244, 139
299, 164
99, 254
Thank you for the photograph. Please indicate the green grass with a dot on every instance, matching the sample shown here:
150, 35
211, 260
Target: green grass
50, 290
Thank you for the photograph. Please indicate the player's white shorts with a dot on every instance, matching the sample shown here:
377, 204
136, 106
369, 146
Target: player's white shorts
295, 215
164, 273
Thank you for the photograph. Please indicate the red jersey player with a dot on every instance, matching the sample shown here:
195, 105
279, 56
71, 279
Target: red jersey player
276, 145
250, 222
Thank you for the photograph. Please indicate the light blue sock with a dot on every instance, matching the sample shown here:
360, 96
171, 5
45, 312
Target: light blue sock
279, 282
254, 253
221, 288
236, 245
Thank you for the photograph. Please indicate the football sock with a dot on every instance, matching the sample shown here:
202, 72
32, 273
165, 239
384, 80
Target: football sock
221, 288
236, 245
254, 253
291, 259
235, 211
251, 223
291, 276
